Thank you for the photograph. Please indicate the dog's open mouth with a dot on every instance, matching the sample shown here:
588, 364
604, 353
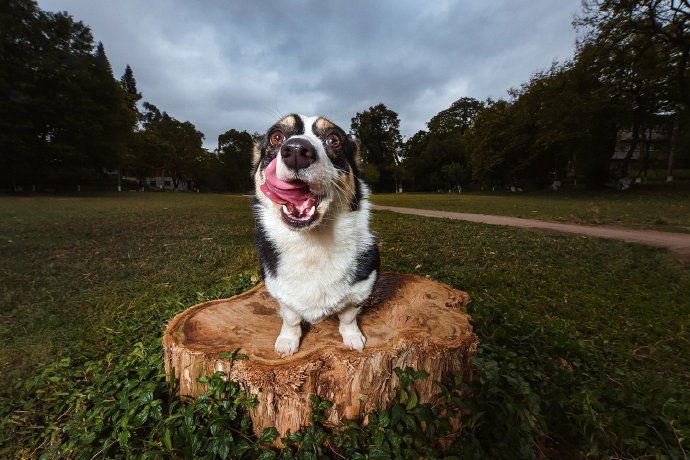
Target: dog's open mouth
298, 203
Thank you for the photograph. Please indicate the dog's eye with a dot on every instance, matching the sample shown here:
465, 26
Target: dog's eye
276, 138
333, 141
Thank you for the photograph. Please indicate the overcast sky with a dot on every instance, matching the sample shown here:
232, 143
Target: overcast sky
241, 64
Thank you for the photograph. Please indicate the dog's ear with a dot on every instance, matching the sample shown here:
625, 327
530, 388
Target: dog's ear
256, 154
358, 146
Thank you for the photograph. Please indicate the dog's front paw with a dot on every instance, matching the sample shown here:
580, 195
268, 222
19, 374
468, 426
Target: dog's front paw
286, 345
354, 340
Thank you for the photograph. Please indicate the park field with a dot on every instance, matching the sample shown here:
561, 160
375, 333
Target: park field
657, 206
584, 342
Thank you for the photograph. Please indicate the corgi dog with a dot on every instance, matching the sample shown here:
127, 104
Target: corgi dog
317, 253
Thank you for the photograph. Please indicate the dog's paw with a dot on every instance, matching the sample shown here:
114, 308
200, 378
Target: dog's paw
354, 340
286, 345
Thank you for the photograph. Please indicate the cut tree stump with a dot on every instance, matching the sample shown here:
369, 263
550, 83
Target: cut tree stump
409, 321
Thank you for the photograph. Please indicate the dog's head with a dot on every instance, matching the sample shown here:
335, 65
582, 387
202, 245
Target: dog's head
305, 168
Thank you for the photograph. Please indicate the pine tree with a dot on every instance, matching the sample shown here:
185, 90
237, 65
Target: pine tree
129, 83
101, 59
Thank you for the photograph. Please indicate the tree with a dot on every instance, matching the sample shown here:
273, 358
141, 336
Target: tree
113, 120
62, 115
378, 130
494, 144
438, 156
178, 145
634, 71
560, 122
456, 118
129, 83
235, 155
132, 98
413, 160
44, 59
661, 25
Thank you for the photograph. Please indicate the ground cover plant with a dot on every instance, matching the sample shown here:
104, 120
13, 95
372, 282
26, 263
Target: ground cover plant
584, 342
659, 206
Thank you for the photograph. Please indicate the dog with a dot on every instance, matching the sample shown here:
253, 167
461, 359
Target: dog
317, 254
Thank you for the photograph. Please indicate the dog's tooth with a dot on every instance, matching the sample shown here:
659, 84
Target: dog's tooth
285, 209
312, 210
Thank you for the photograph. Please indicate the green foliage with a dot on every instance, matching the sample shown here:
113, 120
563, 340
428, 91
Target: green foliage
122, 405
405, 429
179, 146
235, 158
63, 116
538, 391
557, 124
437, 159
378, 131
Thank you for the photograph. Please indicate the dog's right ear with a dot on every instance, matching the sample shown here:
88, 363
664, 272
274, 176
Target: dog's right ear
358, 149
256, 154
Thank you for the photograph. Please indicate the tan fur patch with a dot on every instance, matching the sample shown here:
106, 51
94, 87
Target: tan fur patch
348, 184
256, 153
287, 122
358, 149
324, 124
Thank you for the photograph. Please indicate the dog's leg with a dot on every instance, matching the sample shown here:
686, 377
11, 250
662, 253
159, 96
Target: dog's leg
352, 336
287, 342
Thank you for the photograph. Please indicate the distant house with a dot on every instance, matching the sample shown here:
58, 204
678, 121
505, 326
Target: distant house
159, 179
651, 150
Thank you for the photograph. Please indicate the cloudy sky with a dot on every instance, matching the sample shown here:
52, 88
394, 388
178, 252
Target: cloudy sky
239, 64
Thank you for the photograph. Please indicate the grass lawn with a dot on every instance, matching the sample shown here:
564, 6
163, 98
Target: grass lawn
71, 265
584, 342
659, 206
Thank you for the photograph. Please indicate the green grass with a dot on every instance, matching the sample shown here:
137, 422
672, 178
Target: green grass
657, 206
584, 342
71, 265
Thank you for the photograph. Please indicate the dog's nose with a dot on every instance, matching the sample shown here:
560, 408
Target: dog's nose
298, 153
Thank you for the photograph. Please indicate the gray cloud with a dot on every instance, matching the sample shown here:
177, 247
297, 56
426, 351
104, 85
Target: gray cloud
236, 64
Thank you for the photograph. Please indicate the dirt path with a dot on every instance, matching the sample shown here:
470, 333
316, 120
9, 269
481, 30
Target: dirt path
677, 243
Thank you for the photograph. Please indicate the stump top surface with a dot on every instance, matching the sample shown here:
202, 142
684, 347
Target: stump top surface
402, 307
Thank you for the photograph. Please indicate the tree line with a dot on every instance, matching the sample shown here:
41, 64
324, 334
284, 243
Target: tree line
630, 71
66, 120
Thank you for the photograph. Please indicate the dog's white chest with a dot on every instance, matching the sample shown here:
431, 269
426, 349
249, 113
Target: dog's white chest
313, 276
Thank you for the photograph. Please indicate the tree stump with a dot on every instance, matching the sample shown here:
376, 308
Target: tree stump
408, 321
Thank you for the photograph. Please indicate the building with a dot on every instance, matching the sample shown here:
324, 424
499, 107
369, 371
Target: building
651, 151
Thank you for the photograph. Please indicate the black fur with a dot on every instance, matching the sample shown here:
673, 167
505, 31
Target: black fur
367, 262
268, 255
357, 197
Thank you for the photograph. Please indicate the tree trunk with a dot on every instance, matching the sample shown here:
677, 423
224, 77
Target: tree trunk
675, 132
645, 144
634, 140
409, 321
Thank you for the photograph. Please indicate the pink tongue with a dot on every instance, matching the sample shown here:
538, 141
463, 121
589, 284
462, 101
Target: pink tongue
295, 193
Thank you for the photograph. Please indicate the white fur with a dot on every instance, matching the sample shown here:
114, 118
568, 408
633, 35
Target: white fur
312, 277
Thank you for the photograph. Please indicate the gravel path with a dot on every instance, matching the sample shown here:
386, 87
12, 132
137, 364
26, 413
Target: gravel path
677, 243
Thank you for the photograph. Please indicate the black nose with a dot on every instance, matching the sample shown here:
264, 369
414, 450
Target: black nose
298, 153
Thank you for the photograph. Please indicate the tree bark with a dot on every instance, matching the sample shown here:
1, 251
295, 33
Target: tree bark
409, 321
634, 140
675, 133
